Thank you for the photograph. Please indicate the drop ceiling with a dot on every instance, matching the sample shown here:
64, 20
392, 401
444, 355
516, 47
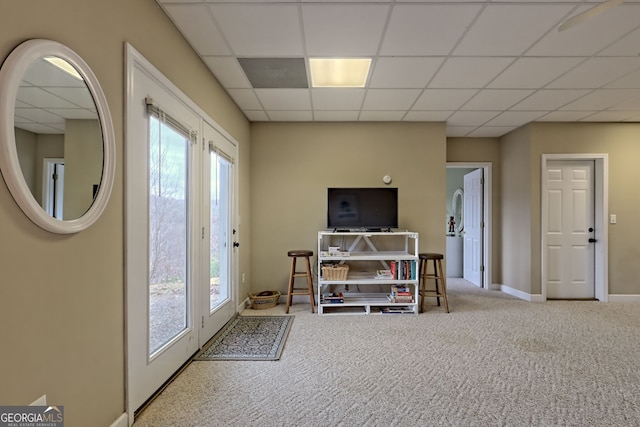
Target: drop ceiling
483, 67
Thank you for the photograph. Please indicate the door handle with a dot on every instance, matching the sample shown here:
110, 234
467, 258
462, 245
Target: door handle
236, 244
592, 240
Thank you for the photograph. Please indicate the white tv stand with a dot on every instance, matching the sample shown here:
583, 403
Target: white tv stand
363, 290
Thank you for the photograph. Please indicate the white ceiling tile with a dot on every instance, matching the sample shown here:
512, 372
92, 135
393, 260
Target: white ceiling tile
491, 131
337, 99
198, 26
427, 116
404, 72
628, 81
533, 72
600, 99
260, 30
459, 131
596, 72
628, 45
256, 115
630, 104
228, 71
381, 116
526, 23
426, 29
591, 36
473, 118
469, 72
284, 99
496, 99
515, 118
565, 116
290, 116
343, 30
550, 99
386, 99
611, 116
336, 116
443, 99
245, 98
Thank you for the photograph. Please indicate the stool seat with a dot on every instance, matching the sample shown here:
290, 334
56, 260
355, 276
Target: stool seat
430, 255
438, 276
300, 253
308, 290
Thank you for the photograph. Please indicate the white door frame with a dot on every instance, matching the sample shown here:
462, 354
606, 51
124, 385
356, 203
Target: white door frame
601, 201
486, 217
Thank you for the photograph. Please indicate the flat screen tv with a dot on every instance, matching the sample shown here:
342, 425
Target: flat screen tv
362, 208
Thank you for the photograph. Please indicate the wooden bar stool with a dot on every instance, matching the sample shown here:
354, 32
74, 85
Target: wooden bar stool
438, 276
294, 255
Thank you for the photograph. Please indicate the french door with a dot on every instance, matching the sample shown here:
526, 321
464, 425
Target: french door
180, 211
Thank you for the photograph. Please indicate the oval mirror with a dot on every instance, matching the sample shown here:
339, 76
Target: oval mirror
57, 146
457, 208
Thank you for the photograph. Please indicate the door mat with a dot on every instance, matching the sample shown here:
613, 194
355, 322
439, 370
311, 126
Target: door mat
249, 338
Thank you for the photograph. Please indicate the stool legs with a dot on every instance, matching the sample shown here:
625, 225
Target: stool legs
440, 282
303, 291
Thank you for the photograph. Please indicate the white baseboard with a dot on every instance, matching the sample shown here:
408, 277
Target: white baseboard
41, 401
623, 298
520, 294
122, 421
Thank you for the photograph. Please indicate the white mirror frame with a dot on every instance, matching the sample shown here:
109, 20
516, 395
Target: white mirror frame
11, 74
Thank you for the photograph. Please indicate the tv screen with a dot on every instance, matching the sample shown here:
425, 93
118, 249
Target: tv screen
362, 208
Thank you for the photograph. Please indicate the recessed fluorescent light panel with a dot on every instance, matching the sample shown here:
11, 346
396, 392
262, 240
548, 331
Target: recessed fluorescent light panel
339, 72
64, 66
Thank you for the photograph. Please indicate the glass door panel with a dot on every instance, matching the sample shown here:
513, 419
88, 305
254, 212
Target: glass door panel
220, 239
168, 234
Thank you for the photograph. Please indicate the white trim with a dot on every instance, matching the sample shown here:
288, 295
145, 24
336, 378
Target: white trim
487, 209
121, 421
521, 295
601, 201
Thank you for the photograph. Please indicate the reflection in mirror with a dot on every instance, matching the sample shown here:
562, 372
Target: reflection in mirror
57, 146
58, 138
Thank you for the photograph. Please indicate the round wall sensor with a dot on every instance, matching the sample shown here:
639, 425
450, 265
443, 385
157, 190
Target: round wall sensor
386, 179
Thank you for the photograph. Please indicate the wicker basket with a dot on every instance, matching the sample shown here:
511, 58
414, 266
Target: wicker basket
264, 300
335, 272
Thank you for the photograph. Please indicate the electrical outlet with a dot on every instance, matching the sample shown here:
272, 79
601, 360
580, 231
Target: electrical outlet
613, 219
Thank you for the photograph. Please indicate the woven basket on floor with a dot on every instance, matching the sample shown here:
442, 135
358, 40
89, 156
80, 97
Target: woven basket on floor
264, 300
335, 272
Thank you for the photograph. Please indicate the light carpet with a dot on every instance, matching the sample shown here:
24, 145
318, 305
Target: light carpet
493, 361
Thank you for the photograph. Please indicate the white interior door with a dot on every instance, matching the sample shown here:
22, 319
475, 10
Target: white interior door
472, 214
569, 255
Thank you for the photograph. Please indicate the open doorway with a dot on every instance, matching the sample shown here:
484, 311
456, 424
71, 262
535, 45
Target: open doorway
468, 222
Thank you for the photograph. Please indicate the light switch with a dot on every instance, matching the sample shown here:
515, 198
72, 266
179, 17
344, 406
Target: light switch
613, 219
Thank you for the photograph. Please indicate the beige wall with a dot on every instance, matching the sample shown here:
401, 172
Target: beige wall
292, 164
521, 154
515, 209
62, 297
484, 150
620, 142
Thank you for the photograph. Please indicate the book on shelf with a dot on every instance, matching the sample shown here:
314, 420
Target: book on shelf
396, 310
403, 270
333, 298
401, 299
383, 274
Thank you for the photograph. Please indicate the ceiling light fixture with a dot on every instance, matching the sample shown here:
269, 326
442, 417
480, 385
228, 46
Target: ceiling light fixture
339, 72
64, 66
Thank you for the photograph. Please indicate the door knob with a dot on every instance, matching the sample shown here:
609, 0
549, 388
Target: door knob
590, 229
236, 244
592, 240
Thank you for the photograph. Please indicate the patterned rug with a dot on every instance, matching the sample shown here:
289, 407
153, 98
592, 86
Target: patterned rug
249, 338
